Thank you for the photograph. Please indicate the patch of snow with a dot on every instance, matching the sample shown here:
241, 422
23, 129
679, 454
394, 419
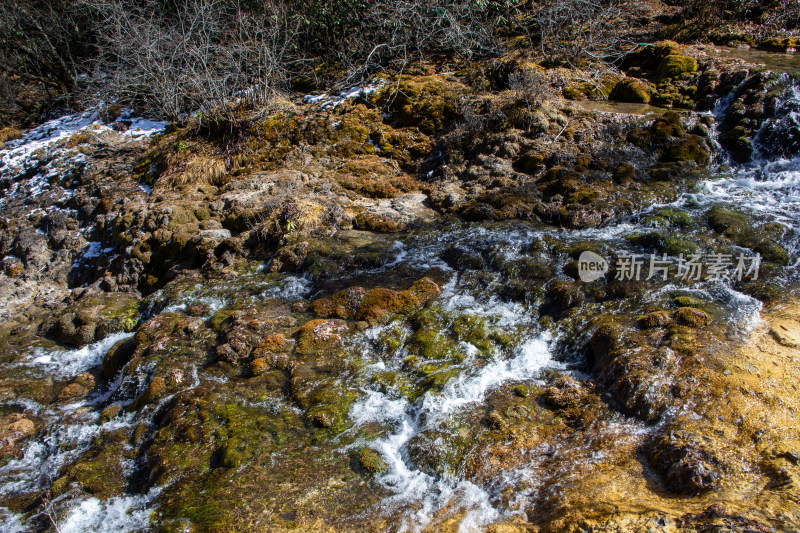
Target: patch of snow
328, 100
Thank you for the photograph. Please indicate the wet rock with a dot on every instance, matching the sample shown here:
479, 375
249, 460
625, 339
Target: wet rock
460, 258
566, 393
371, 461
565, 295
82, 384
631, 90
663, 242
605, 343
692, 317
74, 330
226, 354
117, 357
110, 412
382, 223
289, 258
686, 466
656, 319
155, 390
320, 336
376, 305
259, 366
14, 429
742, 230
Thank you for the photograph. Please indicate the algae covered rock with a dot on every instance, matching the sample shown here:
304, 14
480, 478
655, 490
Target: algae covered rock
371, 461
654, 320
674, 66
376, 305
742, 230
631, 90
319, 336
685, 464
606, 343
692, 317
565, 295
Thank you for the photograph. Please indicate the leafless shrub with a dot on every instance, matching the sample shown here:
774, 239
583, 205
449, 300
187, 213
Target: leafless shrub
215, 56
40, 39
573, 31
784, 15
396, 32
716, 10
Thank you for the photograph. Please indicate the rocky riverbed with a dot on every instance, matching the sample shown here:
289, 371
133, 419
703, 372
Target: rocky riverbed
366, 311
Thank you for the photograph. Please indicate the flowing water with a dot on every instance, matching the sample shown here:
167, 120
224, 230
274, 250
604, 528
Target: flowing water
411, 423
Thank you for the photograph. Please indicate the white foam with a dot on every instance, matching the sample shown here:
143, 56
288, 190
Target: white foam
70, 363
10, 522
122, 513
420, 497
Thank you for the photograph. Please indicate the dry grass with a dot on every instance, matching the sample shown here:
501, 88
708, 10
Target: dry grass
9, 134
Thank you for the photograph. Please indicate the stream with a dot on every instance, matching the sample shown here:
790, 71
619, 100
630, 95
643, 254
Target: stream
418, 411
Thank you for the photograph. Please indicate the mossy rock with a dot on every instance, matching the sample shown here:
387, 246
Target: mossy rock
117, 357
666, 127
670, 216
692, 317
398, 382
370, 221
319, 337
663, 242
631, 90
674, 66
371, 461
742, 230
779, 44
606, 343
656, 319
688, 301
565, 295
429, 103
688, 148
376, 305
573, 93
530, 162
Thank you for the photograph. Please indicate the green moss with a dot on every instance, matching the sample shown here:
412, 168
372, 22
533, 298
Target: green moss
427, 102
667, 126
742, 230
396, 381
671, 216
219, 321
471, 328
688, 148
662, 242
431, 342
674, 66
573, 93
688, 301
631, 90
779, 44
371, 461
